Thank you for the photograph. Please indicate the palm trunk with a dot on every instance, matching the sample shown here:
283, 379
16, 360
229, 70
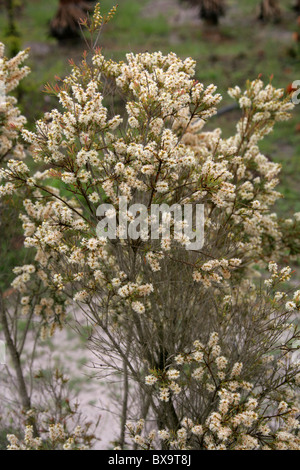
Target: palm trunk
65, 24
209, 10
269, 10
297, 6
212, 10
11, 31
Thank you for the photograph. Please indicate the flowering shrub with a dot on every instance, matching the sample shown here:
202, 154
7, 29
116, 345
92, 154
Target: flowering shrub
54, 420
217, 407
56, 438
12, 154
239, 423
17, 308
160, 157
146, 298
228, 412
11, 120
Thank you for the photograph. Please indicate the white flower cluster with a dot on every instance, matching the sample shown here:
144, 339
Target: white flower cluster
54, 438
283, 275
215, 271
11, 120
204, 359
238, 421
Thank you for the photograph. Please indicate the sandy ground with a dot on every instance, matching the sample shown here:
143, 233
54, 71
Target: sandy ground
94, 394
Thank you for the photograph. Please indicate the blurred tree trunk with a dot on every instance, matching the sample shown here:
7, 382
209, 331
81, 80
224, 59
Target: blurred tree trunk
65, 24
269, 10
12, 34
209, 10
297, 6
212, 10
11, 26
